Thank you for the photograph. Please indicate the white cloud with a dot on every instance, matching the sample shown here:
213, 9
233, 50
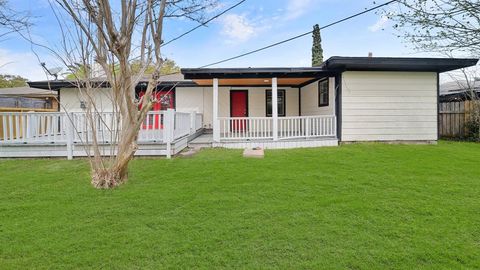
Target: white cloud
23, 64
379, 25
296, 8
238, 28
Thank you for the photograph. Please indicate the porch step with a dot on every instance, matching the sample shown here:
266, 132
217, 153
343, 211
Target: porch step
203, 141
200, 145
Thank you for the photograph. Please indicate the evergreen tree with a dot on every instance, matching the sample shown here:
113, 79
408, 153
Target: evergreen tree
317, 51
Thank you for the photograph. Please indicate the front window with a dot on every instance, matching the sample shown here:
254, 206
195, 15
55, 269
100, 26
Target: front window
280, 104
323, 93
166, 100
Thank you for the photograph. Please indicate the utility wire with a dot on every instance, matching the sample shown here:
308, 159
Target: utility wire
299, 36
271, 45
204, 23
193, 29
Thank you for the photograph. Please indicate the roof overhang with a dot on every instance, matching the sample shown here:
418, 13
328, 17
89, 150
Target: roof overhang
57, 85
293, 77
241, 73
331, 67
398, 64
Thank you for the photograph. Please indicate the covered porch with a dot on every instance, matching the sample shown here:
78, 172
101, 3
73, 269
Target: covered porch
243, 111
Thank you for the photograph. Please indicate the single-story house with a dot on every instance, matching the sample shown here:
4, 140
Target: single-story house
346, 99
23, 99
460, 90
27, 99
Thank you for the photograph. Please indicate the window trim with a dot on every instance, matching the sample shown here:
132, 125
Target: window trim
172, 90
328, 93
284, 102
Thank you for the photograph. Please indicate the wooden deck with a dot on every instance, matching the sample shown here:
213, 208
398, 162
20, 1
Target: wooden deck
163, 134
80, 150
70, 135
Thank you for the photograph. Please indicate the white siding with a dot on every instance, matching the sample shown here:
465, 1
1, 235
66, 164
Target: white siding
70, 99
309, 99
188, 99
200, 99
389, 106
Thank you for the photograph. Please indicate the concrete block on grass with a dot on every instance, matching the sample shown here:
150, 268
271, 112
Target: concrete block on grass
253, 153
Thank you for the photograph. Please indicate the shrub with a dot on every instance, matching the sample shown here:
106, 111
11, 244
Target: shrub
473, 124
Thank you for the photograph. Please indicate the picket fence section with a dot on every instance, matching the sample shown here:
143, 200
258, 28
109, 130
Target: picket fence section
79, 128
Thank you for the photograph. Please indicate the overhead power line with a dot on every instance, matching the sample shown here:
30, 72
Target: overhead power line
193, 29
204, 23
298, 36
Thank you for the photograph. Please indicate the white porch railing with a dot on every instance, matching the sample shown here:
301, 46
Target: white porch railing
22, 127
250, 128
198, 121
76, 128
182, 124
306, 127
245, 128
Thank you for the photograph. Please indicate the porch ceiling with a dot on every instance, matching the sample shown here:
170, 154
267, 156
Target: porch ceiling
294, 82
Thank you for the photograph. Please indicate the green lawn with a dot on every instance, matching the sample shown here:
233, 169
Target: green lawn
364, 206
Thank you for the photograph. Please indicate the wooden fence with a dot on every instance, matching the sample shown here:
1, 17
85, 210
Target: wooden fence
453, 117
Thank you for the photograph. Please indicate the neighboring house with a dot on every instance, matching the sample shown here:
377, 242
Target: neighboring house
27, 99
23, 99
458, 101
459, 90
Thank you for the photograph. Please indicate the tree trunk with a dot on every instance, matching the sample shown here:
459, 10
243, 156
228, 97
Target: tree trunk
104, 39
116, 173
109, 178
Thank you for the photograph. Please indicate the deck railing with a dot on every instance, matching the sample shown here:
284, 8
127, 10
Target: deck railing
18, 127
198, 121
76, 128
182, 124
306, 127
250, 128
245, 128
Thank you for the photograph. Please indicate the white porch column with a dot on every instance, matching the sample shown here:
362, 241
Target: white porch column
275, 109
216, 122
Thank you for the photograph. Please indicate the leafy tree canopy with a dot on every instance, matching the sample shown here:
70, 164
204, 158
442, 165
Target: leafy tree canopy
169, 66
9, 81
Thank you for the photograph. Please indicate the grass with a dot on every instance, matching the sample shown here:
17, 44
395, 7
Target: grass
365, 206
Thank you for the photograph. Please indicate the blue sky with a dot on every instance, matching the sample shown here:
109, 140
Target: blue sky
252, 25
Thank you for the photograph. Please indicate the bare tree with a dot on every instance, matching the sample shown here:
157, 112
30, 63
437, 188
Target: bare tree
110, 35
11, 20
440, 25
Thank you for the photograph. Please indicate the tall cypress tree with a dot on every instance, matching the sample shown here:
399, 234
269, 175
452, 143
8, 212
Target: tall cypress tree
317, 51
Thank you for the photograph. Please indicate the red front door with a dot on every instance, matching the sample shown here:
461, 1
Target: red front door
238, 108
